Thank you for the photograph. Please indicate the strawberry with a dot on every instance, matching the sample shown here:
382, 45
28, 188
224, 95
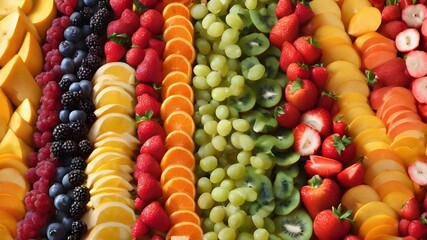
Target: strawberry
413, 15
417, 228
149, 128
418, 89
326, 100
391, 12
424, 204
407, 40
155, 146
153, 21
118, 27
148, 3
332, 224
379, 4
285, 29
403, 227
339, 127
142, 88
139, 229
404, 3
131, 19
156, 237
284, 8
145, 104
422, 110
319, 119
322, 166
113, 51
339, 148
306, 139
417, 171
319, 75
139, 204
289, 55
298, 70
335, 109
157, 45
146, 163
150, 69
302, 93
303, 12
391, 73
352, 175
155, 217
134, 56
351, 237
320, 194
416, 63
308, 48
391, 29
148, 188
118, 6
410, 210
287, 115
141, 37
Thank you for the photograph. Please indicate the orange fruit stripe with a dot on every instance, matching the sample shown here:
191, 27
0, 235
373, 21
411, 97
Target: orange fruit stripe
175, 31
178, 20
180, 139
177, 62
181, 216
175, 9
178, 155
180, 46
173, 171
179, 184
179, 121
176, 103
178, 88
179, 201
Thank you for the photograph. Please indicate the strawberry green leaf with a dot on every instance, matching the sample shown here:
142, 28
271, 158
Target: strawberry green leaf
296, 86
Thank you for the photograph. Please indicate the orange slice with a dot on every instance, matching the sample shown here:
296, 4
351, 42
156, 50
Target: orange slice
180, 156
180, 46
179, 121
178, 20
175, 31
173, 171
179, 201
177, 62
180, 139
187, 229
176, 103
176, 9
179, 184
181, 216
178, 88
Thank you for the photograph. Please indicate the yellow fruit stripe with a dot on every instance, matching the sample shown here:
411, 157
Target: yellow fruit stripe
111, 163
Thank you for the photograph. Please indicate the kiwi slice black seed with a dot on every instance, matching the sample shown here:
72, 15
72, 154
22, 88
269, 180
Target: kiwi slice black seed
261, 210
251, 179
287, 205
284, 159
296, 225
283, 185
264, 17
268, 92
254, 44
245, 101
285, 139
265, 194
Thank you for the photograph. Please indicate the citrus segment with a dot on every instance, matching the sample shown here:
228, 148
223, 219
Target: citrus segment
179, 138
177, 62
180, 46
181, 216
179, 184
174, 9
186, 229
178, 155
179, 201
178, 88
173, 171
179, 121
176, 31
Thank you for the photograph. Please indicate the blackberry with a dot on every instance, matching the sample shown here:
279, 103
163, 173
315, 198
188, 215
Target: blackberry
61, 132
85, 148
98, 50
99, 21
78, 163
56, 149
77, 210
91, 118
79, 130
65, 83
69, 147
76, 177
81, 194
92, 60
68, 101
72, 237
78, 228
93, 40
85, 72
104, 4
86, 13
87, 106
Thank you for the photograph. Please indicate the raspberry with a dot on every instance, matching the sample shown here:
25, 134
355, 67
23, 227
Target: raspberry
47, 121
38, 201
63, 22
46, 169
52, 58
26, 230
41, 139
66, 7
46, 48
44, 78
32, 159
42, 185
31, 175
52, 90
54, 36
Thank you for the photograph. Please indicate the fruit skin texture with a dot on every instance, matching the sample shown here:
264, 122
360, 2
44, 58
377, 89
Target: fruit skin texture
319, 75
302, 93
147, 104
351, 237
134, 56
392, 29
139, 229
307, 47
155, 146
289, 55
148, 187
113, 51
145, 163
297, 70
303, 12
306, 139
154, 216
417, 228
152, 20
284, 8
410, 210
418, 90
285, 29
391, 73
339, 148
403, 226
352, 176
339, 126
320, 194
287, 115
149, 128
332, 224
391, 13
150, 69
118, 6
322, 166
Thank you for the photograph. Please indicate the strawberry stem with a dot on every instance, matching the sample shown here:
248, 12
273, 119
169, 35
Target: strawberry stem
297, 85
370, 77
315, 181
340, 215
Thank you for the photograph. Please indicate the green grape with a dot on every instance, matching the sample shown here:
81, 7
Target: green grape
199, 103
236, 171
207, 109
207, 118
210, 127
217, 49
251, 4
219, 143
213, 79
206, 150
222, 112
201, 59
251, 194
216, 29
261, 234
234, 65
261, 162
201, 137
199, 82
217, 214
217, 175
269, 225
210, 236
214, 6
246, 142
203, 46
205, 201
241, 125
234, 21
245, 236
219, 226
258, 221
208, 20
234, 113
220, 194
230, 209
201, 69
235, 140
204, 185
202, 95
256, 72
236, 198
217, 62
233, 51
220, 93
208, 225
208, 163
238, 81
224, 71
228, 184
235, 220
244, 157
224, 127
197, 118
198, 11
236, 90
227, 234
230, 36
215, 103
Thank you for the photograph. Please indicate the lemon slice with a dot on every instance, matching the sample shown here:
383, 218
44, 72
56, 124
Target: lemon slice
114, 94
124, 72
112, 190
96, 176
110, 230
102, 198
117, 159
100, 150
110, 212
113, 108
112, 181
107, 80
112, 122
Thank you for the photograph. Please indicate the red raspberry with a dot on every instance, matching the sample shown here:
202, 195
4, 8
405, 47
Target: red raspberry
44, 78
26, 230
46, 48
32, 159
54, 36
46, 169
31, 175
66, 7
63, 22
52, 90
52, 58
42, 185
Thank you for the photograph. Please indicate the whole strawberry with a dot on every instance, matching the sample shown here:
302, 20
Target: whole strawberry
284, 8
352, 237
146, 104
145, 163
303, 12
287, 115
285, 29
308, 48
141, 37
149, 128
131, 19
155, 146
339, 126
134, 56
417, 228
153, 21
151, 68
118, 6
319, 75
326, 100
148, 188
142, 88
155, 217
298, 70
289, 55
332, 224
302, 93
114, 51
410, 210
340, 148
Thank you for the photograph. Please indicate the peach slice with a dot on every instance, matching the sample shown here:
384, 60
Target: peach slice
350, 7
404, 125
373, 221
396, 199
414, 143
12, 175
371, 209
399, 115
380, 166
356, 197
326, 31
341, 65
360, 41
408, 156
352, 97
11, 204
371, 146
335, 79
341, 52
417, 134
321, 6
328, 42
13, 189
380, 154
379, 47
364, 122
353, 86
367, 19
7, 220
382, 229
376, 59
377, 39
323, 19
393, 186
372, 133
18, 165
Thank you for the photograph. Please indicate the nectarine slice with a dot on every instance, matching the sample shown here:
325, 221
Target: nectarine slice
367, 19
379, 47
371, 209
350, 7
326, 31
407, 155
358, 43
380, 166
398, 112
388, 176
12, 205
7, 220
393, 186
380, 230
341, 52
377, 59
364, 122
321, 6
354, 86
374, 40
326, 18
371, 146
356, 197
373, 221
340, 65
415, 144
372, 133
380, 154
404, 125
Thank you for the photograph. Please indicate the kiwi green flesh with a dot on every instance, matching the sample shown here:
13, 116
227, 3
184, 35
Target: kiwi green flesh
285, 139
273, 237
245, 102
284, 159
247, 64
283, 185
263, 17
254, 44
292, 170
287, 205
265, 193
271, 65
251, 179
296, 225
268, 92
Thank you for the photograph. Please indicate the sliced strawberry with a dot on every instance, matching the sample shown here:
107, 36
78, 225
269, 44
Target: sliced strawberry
391, 29
417, 171
413, 15
322, 166
418, 89
410, 210
306, 139
319, 119
416, 63
407, 40
352, 176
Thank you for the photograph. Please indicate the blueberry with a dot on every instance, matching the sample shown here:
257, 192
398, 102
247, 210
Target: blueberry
60, 173
66, 48
73, 34
90, 3
80, 4
86, 30
60, 215
76, 19
67, 65
67, 221
56, 189
74, 87
86, 87
79, 55
56, 231
66, 182
76, 115
80, 45
62, 202
71, 77
63, 116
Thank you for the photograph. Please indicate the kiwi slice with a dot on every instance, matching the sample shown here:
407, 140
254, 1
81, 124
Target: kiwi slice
273, 237
254, 44
271, 65
296, 225
247, 64
251, 179
265, 193
287, 205
284, 159
268, 92
300, 180
243, 14
292, 170
285, 139
264, 17
283, 185
261, 210
262, 120
282, 79
245, 101
272, 51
